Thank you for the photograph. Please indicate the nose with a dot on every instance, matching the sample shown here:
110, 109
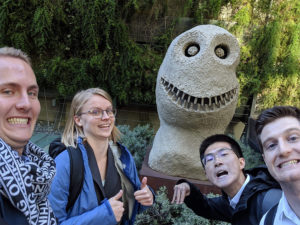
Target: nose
105, 116
217, 161
284, 148
23, 102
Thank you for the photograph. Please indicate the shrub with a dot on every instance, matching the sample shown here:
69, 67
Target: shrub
137, 140
252, 157
165, 213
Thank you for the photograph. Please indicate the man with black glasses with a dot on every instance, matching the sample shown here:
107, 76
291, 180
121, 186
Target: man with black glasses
246, 196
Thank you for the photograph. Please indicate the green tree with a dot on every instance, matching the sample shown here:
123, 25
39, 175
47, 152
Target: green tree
79, 44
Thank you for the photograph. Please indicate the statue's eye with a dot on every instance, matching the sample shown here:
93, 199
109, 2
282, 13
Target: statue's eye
221, 51
192, 50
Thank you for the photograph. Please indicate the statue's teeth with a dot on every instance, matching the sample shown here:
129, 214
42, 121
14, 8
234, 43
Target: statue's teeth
227, 96
189, 98
217, 102
223, 99
198, 104
195, 101
183, 94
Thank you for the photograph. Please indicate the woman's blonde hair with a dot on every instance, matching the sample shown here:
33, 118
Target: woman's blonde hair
72, 131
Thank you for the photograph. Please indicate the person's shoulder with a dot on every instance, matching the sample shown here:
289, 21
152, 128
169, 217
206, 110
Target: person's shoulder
62, 160
260, 176
62, 156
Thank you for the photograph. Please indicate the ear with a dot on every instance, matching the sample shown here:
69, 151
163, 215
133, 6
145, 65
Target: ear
242, 163
263, 155
77, 121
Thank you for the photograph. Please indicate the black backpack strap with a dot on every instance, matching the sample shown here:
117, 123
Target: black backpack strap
270, 216
271, 198
76, 175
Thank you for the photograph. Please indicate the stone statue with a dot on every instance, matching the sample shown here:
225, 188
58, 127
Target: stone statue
196, 95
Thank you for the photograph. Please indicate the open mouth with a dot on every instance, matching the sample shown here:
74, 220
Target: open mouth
292, 162
222, 173
190, 102
19, 121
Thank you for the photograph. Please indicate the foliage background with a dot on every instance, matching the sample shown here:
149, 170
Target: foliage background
163, 212
75, 44
137, 140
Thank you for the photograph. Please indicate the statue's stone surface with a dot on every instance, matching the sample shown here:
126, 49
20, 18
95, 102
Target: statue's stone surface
196, 96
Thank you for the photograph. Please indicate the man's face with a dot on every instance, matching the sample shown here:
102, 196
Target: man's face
224, 168
281, 146
19, 104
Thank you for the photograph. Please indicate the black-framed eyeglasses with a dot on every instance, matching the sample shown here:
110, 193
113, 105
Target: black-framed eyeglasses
98, 113
211, 157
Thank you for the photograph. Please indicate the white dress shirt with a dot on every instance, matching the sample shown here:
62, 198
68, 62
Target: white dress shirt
234, 201
284, 214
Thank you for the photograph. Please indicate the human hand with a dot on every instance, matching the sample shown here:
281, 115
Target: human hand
117, 205
144, 196
180, 192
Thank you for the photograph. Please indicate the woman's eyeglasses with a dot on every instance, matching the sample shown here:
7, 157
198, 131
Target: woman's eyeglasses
98, 113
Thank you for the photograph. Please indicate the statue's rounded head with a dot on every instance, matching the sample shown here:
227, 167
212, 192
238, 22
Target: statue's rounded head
196, 82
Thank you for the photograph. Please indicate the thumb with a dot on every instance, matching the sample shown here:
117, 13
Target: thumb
144, 182
119, 195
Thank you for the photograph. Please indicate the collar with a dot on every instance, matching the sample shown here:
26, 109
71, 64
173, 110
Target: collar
286, 212
234, 201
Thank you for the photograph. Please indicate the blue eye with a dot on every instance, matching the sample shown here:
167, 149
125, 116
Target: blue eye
7, 92
271, 146
33, 94
109, 111
293, 138
95, 112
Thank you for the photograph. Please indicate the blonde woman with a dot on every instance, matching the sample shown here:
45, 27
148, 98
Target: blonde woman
112, 192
